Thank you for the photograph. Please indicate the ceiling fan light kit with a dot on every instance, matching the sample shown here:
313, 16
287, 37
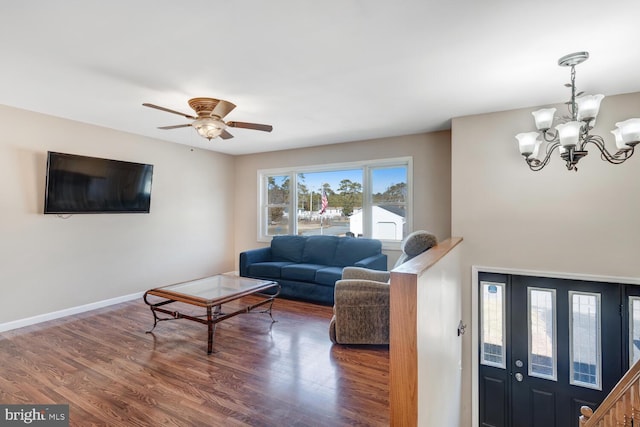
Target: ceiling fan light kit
208, 121
209, 127
571, 135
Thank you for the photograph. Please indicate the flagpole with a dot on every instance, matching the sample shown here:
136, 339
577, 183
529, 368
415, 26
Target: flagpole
324, 205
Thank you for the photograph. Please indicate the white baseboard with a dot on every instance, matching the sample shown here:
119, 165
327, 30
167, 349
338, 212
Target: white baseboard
20, 323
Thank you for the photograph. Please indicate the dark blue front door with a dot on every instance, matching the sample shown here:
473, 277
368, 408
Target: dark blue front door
547, 347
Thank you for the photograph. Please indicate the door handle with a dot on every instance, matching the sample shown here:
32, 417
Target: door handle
519, 377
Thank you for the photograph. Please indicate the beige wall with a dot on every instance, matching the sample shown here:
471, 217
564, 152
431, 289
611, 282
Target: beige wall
553, 220
49, 264
431, 178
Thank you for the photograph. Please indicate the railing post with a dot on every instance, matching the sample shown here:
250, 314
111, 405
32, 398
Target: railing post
586, 414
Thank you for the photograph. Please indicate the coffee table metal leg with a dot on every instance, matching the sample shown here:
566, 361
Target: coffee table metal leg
210, 329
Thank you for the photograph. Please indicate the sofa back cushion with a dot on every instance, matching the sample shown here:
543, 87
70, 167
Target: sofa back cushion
351, 250
287, 248
320, 249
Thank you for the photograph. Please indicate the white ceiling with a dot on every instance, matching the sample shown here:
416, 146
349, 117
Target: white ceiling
320, 72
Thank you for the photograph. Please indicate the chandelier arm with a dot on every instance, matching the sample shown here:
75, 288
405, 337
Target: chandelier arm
550, 136
616, 159
535, 164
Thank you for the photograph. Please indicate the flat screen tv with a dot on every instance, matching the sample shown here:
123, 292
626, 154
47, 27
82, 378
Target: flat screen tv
80, 184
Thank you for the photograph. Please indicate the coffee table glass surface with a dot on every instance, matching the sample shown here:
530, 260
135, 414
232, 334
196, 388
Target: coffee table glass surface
212, 290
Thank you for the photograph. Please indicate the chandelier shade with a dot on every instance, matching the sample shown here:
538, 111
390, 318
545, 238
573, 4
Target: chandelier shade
572, 134
544, 118
630, 131
527, 141
569, 133
588, 106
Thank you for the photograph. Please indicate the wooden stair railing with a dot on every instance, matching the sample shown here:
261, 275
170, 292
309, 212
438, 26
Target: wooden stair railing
621, 407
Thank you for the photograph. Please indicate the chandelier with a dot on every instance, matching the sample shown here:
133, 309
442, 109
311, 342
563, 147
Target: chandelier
572, 134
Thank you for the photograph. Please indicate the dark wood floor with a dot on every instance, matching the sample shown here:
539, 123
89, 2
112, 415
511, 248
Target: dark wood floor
111, 372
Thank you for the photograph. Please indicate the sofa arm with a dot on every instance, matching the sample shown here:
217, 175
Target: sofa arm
252, 256
365, 274
375, 262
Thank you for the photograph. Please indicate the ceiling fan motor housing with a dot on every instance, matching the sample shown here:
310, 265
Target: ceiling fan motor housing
203, 106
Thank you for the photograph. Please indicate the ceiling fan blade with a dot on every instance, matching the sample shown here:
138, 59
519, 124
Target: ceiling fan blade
223, 108
255, 126
225, 135
174, 127
157, 107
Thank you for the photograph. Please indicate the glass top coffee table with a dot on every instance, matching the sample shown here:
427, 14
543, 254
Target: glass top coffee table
211, 293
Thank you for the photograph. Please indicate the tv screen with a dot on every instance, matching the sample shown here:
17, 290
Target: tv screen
81, 184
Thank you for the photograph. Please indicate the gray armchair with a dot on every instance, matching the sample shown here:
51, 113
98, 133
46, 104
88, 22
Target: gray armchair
361, 307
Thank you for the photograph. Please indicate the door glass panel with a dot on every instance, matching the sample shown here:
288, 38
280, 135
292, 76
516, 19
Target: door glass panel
492, 306
584, 339
542, 333
634, 329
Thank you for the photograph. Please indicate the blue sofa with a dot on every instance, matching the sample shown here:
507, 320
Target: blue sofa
307, 267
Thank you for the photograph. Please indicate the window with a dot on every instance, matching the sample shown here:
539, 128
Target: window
277, 208
363, 199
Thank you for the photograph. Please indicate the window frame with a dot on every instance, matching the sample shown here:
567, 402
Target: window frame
367, 167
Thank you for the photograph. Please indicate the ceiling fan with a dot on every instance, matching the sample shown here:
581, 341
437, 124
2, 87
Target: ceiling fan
208, 121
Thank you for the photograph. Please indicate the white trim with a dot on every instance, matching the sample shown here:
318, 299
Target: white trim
475, 269
20, 323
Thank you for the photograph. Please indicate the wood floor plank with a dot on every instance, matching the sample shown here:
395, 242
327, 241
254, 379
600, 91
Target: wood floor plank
112, 373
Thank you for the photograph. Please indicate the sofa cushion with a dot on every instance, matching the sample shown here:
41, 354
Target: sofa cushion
328, 276
301, 272
320, 249
350, 250
287, 248
267, 269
